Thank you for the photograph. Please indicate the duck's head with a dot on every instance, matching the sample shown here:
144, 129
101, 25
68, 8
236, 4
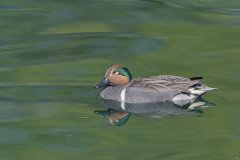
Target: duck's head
115, 75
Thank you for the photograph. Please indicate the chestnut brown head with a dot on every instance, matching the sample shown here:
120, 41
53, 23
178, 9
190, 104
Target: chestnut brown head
115, 75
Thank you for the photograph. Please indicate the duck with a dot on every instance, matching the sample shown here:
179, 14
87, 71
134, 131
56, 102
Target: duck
119, 86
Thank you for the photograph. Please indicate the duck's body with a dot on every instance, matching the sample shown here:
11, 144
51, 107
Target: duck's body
179, 90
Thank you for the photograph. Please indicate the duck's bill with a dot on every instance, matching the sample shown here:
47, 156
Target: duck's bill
104, 83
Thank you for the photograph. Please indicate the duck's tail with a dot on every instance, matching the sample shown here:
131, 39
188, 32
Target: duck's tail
206, 88
196, 78
200, 89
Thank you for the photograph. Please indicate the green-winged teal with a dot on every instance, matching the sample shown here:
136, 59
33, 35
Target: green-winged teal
119, 86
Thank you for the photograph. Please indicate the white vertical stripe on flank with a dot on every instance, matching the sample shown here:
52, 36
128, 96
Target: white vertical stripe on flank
123, 99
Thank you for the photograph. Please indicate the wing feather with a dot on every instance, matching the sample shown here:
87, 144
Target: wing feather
165, 83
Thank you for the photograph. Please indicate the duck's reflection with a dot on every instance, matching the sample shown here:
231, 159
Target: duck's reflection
116, 116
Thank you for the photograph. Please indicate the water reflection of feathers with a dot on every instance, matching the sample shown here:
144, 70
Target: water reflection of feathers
116, 116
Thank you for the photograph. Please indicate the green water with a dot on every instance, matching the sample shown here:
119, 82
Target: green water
52, 53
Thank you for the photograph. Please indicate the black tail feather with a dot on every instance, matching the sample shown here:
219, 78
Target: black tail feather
196, 78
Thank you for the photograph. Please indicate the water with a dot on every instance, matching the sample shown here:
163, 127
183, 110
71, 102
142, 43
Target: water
52, 53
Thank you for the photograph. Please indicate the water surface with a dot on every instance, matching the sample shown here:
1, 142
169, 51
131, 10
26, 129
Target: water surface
52, 53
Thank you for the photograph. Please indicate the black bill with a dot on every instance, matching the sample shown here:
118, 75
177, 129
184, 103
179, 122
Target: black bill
103, 84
